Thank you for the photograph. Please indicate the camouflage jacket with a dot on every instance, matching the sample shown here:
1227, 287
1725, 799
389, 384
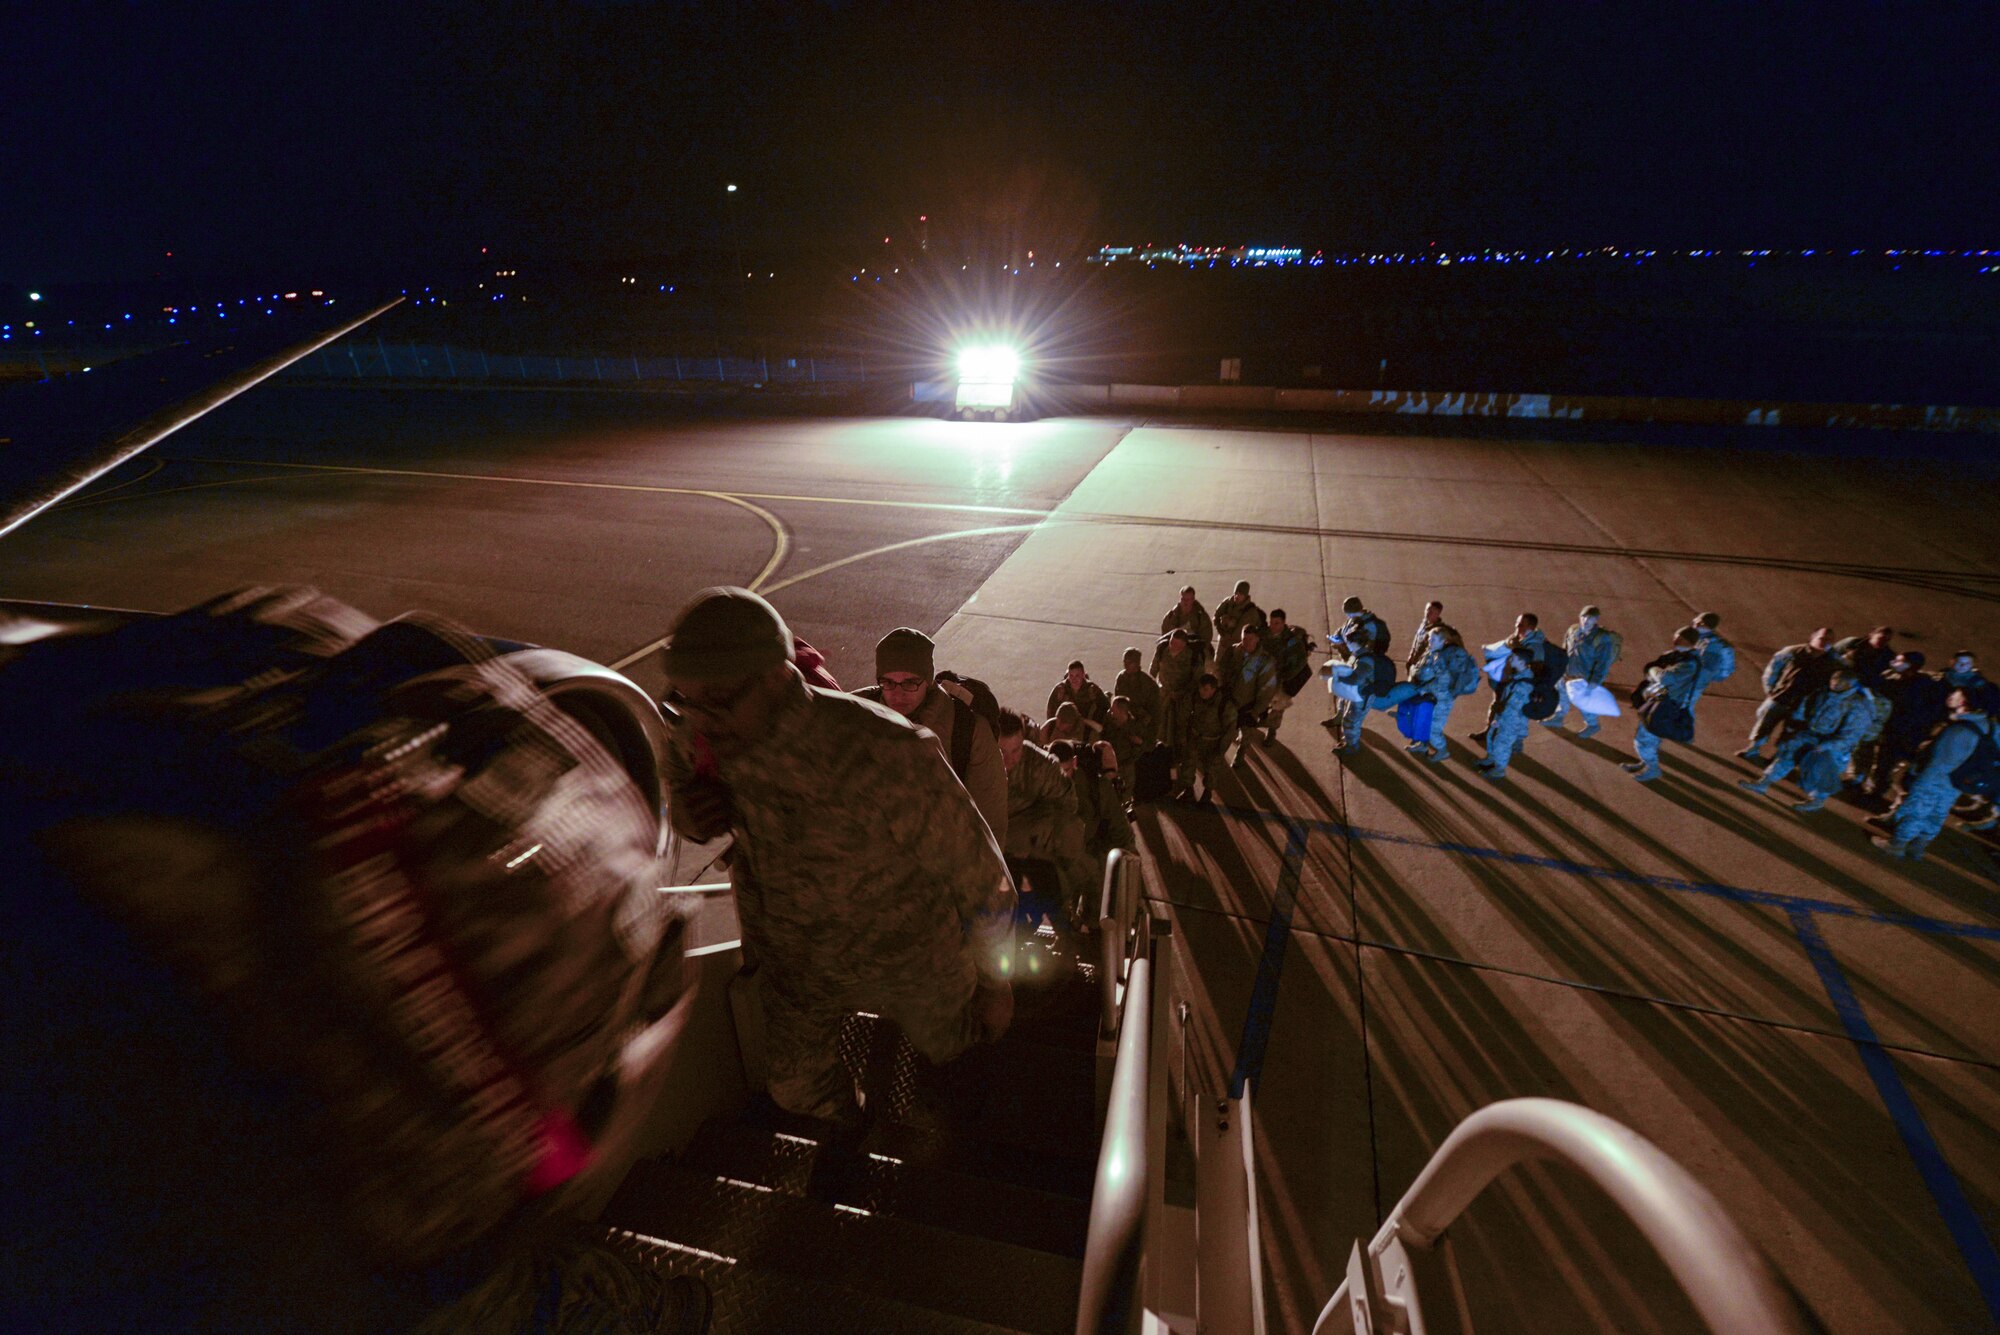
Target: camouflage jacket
858, 852
1195, 621
1144, 693
1231, 617
1176, 673
1089, 699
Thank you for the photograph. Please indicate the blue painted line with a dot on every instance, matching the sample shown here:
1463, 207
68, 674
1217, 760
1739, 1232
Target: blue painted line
1709, 889
1947, 1193
1264, 992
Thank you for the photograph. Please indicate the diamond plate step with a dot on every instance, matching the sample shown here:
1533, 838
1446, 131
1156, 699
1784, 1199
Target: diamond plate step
750, 1300
1056, 1168
870, 1254
927, 1194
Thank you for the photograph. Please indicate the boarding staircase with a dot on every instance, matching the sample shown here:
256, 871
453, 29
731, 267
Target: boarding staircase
1072, 1190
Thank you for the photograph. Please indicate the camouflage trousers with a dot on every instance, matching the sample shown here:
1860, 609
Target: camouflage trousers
1506, 736
1922, 812
930, 1002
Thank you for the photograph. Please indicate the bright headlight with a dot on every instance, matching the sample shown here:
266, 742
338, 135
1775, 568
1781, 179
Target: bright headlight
989, 364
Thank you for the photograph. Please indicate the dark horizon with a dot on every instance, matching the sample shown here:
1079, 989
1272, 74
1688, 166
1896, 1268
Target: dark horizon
364, 136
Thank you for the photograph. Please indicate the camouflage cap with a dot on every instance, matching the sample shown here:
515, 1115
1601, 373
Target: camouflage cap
726, 634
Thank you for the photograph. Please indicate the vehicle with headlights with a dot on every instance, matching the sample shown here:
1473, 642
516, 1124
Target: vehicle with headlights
988, 382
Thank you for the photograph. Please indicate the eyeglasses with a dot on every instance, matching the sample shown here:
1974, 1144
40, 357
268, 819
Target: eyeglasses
901, 683
714, 707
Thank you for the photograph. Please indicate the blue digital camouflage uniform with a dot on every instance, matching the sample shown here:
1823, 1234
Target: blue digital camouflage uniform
865, 880
1509, 726
1923, 810
1718, 662
1590, 660
1673, 675
1834, 719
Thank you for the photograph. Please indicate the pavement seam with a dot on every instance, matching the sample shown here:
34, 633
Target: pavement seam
1600, 989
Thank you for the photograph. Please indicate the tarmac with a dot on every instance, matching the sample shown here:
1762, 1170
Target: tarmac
1380, 946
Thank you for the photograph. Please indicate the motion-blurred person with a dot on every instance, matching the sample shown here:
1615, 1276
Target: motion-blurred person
1917, 705
1718, 656
1076, 688
1967, 739
1141, 692
1527, 640
1250, 680
1830, 725
1592, 649
1665, 701
1189, 615
1445, 672
1043, 823
1233, 613
905, 668
1791, 678
1291, 650
322, 942
1509, 726
864, 875
1420, 642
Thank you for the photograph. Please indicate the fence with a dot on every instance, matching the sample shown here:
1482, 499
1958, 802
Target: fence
374, 359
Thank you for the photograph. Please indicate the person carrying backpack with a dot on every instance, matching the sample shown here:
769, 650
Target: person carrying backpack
906, 681
1368, 678
1831, 724
1189, 615
1363, 627
323, 938
1249, 679
1509, 727
1141, 692
1665, 704
1535, 648
1444, 672
1717, 655
1965, 758
1177, 667
1589, 651
1292, 649
1233, 613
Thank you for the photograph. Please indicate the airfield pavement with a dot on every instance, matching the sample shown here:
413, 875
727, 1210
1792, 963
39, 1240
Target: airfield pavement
1812, 1030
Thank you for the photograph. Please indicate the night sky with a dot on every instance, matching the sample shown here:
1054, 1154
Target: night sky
275, 134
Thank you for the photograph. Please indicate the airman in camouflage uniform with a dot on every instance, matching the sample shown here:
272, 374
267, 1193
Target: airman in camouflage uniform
1834, 719
1592, 649
1291, 649
1249, 678
1921, 815
1189, 615
1211, 722
1176, 667
1042, 817
1235, 612
864, 876
1143, 693
1076, 688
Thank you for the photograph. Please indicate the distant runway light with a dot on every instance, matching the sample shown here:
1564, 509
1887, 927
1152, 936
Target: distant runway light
34, 296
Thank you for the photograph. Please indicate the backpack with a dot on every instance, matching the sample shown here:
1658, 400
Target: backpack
1466, 676
1979, 773
973, 698
1542, 699
445, 925
1550, 669
1725, 658
1380, 678
1378, 638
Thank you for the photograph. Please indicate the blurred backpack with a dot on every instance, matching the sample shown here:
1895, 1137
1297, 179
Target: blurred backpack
1979, 773
972, 697
1546, 692
443, 928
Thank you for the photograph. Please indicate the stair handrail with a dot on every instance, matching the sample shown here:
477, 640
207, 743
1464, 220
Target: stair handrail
1118, 909
1715, 1265
1118, 1196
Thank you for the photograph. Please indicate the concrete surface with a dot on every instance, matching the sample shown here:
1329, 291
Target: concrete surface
1809, 1029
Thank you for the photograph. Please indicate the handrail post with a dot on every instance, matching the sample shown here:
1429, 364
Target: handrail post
1109, 1285
1718, 1269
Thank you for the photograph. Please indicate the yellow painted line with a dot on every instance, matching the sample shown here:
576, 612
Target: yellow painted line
622, 486
818, 570
170, 491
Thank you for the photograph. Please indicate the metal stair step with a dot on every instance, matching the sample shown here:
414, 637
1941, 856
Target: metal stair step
873, 1254
932, 1194
753, 1300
